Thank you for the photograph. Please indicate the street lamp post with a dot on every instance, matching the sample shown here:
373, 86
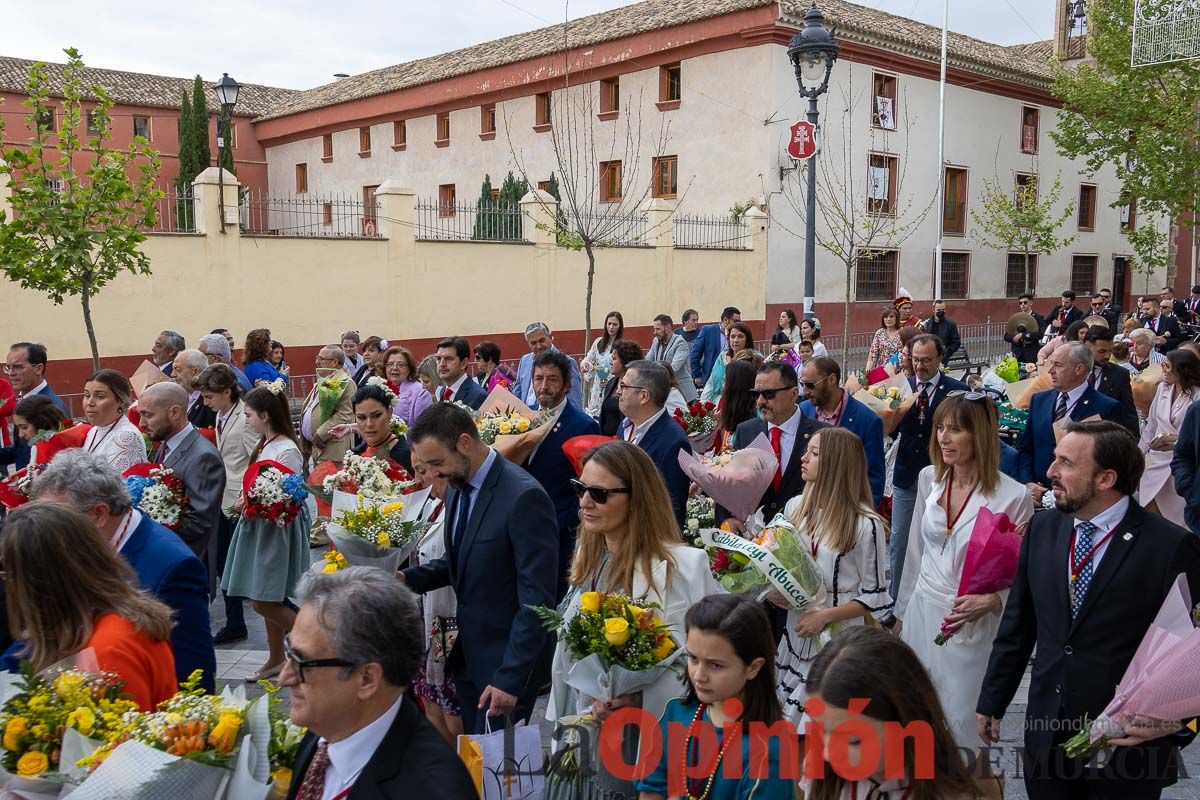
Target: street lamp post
227, 94
812, 53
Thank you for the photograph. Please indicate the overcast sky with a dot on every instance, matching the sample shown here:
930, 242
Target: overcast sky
299, 44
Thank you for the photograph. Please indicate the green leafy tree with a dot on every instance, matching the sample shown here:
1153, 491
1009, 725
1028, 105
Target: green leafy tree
79, 207
199, 129
1021, 219
509, 203
1151, 248
485, 212
188, 169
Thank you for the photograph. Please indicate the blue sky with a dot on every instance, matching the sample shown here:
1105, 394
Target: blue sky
302, 43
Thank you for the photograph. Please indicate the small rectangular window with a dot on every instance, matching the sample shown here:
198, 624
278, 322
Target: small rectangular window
1087, 207
956, 271
610, 98
883, 111
446, 197
48, 121
364, 141
875, 276
543, 186
141, 127
881, 183
610, 181
487, 119
399, 135
670, 86
542, 112
327, 147
666, 176
1029, 130
1083, 274
93, 124
1129, 216
443, 129
301, 178
1019, 276
954, 208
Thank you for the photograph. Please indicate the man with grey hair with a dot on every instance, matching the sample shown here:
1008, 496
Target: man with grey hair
216, 349
357, 644
1071, 398
642, 397
317, 419
188, 366
166, 346
194, 459
540, 339
164, 566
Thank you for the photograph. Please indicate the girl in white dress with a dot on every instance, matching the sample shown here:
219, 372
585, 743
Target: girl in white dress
963, 478
107, 395
597, 364
1180, 388
836, 520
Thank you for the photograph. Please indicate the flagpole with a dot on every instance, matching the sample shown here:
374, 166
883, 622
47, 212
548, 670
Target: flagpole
941, 162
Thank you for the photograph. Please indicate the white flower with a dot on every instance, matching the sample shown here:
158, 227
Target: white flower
382, 383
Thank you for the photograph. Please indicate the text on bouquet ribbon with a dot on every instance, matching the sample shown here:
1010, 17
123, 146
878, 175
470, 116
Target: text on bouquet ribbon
763, 560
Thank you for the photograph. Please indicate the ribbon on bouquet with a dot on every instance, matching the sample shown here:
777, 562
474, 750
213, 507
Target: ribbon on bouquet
764, 561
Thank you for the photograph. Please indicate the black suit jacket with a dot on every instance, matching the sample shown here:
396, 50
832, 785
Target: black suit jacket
201, 415
1114, 383
791, 483
1073, 314
1080, 662
1168, 328
912, 453
470, 393
1025, 346
610, 411
413, 760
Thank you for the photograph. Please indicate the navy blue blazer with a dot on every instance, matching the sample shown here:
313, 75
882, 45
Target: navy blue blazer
18, 453
662, 442
505, 565
470, 393
167, 568
551, 468
912, 450
1036, 448
705, 351
1010, 461
868, 427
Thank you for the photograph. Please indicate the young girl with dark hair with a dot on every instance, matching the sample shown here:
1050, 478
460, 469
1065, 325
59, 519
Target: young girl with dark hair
730, 680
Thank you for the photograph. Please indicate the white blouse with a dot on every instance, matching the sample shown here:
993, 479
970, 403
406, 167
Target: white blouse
121, 443
284, 451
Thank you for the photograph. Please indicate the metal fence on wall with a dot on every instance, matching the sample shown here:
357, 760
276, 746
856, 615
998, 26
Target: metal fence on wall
335, 216
176, 212
463, 222
703, 232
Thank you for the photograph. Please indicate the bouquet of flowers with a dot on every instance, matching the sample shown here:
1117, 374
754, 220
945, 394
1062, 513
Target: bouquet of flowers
338, 487
399, 426
1021, 393
735, 480
158, 493
701, 513
890, 400
617, 644
285, 737
1008, 369
329, 391
375, 536
778, 558
1144, 385
16, 489
1160, 683
334, 561
491, 426
510, 427
991, 560
273, 493
700, 423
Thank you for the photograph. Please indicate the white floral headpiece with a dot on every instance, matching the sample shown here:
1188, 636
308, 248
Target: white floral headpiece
382, 384
276, 387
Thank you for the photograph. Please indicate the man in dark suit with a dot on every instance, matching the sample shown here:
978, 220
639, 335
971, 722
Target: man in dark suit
930, 387
1159, 317
1193, 307
355, 649
188, 366
1109, 379
710, 343
1063, 314
1025, 344
1111, 311
501, 555
548, 463
944, 328
165, 567
1091, 578
194, 459
1072, 398
167, 345
457, 386
26, 368
828, 402
1179, 308
643, 399
1185, 464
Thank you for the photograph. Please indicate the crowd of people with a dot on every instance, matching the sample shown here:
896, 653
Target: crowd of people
387, 670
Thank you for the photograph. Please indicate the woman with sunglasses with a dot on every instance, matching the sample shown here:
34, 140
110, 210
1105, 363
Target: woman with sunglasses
628, 542
963, 478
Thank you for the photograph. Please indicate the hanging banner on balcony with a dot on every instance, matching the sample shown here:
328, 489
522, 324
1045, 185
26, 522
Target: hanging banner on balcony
803, 142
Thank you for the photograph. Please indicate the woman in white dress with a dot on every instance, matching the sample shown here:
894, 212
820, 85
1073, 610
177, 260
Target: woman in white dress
107, 395
1180, 388
628, 543
597, 364
963, 478
837, 522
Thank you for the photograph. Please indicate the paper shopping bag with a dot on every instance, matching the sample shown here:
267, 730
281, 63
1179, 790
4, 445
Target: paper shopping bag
472, 758
510, 763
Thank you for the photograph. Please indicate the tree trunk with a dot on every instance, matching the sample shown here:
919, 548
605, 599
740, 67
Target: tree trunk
846, 324
85, 301
587, 303
1027, 289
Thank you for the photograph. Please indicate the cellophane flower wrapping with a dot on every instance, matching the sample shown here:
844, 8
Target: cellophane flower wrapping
1144, 385
740, 574
375, 535
1008, 369
991, 560
889, 399
1161, 682
274, 494
510, 427
734, 480
700, 423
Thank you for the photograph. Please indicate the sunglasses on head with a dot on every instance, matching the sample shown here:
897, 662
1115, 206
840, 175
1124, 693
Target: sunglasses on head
769, 394
969, 395
599, 493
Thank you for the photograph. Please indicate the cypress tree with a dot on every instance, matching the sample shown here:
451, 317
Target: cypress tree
200, 122
187, 165
511, 192
485, 212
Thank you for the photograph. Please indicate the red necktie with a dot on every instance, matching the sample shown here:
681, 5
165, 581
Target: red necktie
776, 445
445, 394
314, 777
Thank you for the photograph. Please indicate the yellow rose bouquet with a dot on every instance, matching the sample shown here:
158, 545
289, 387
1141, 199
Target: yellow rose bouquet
373, 536
509, 426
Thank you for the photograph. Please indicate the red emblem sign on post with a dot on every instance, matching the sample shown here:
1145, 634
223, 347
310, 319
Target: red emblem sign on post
803, 143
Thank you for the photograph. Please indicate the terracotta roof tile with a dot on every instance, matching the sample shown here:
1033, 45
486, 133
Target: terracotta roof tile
1043, 50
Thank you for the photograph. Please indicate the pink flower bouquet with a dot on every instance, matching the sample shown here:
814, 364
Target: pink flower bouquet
735, 480
991, 562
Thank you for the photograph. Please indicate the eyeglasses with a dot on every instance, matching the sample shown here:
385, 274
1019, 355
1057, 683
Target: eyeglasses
599, 493
966, 394
314, 663
10, 368
922, 362
769, 394
623, 386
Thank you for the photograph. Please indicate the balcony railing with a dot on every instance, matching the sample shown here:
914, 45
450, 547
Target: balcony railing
700, 232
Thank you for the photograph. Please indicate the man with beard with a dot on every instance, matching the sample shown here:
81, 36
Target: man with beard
1091, 578
501, 555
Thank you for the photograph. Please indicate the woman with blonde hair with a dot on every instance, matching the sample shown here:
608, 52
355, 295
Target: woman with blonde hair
836, 519
628, 542
69, 590
963, 478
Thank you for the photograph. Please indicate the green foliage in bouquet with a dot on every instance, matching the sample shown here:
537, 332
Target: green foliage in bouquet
621, 631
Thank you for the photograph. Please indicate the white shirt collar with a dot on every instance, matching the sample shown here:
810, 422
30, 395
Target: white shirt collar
175, 441
349, 757
477, 479
1076, 393
789, 427
1109, 518
639, 431
36, 390
454, 387
933, 382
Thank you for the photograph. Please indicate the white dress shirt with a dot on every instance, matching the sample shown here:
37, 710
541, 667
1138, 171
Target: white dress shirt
454, 387
175, 441
1105, 521
35, 390
787, 440
349, 757
931, 384
1073, 397
639, 431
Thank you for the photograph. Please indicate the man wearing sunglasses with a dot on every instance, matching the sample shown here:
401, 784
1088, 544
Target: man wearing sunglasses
828, 402
355, 648
1109, 310
643, 398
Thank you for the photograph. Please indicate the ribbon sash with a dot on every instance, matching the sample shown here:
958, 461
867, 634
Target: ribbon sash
764, 561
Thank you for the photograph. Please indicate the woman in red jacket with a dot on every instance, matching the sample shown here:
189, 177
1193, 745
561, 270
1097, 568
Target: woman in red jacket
8, 404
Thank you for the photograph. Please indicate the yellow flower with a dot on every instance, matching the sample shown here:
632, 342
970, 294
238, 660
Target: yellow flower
32, 764
13, 731
522, 425
330, 567
82, 720
67, 684
281, 780
382, 539
224, 735
637, 612
394, 508
893, 392
664, 648
505, 427
616, 631
589, 602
